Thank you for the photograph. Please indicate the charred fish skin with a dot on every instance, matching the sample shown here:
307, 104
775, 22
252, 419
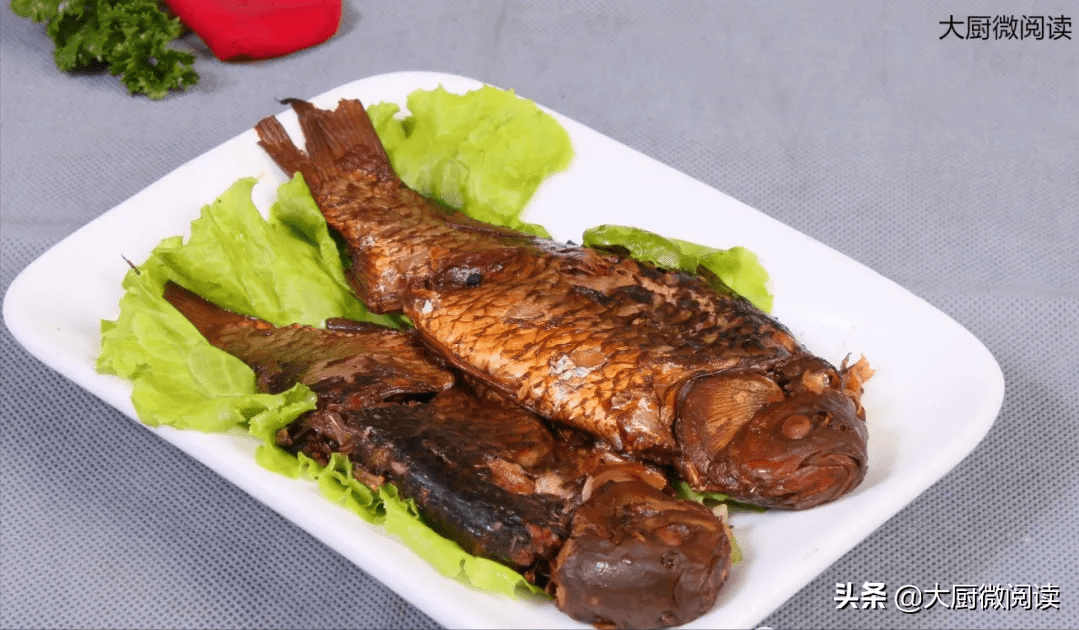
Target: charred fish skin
608, 537
470, 466
635, 356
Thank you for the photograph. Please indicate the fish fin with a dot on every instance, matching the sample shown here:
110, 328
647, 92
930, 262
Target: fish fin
330, 135
210, 319
276, 142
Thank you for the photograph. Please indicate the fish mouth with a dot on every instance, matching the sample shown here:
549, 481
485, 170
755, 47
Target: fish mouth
745, 436
820, 479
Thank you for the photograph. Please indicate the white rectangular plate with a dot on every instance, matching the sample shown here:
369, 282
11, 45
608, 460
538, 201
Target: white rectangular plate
936, 392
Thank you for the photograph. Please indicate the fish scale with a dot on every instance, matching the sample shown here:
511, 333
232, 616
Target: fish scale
645, 351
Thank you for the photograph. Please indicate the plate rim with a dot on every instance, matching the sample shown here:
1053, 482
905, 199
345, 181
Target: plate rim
16, 320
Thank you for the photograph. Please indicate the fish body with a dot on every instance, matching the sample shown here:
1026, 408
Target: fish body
485, 472
657, 364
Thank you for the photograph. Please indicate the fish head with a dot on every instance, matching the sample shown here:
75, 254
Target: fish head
638, 557
773, 441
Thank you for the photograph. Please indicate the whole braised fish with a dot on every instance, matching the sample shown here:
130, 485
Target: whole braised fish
658, 364
606, 536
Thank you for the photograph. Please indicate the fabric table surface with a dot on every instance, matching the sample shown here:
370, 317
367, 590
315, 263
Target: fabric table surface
950, 166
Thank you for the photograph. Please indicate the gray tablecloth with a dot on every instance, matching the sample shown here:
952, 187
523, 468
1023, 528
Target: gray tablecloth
948, 165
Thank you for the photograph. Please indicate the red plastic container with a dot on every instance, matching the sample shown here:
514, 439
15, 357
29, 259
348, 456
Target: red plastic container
259, 29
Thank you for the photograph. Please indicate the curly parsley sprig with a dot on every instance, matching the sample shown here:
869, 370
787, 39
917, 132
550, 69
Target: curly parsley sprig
131, 37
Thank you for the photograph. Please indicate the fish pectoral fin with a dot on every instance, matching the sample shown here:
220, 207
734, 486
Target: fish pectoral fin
714, 408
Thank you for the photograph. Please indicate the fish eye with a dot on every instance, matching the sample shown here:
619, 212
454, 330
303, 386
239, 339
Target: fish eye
796, 426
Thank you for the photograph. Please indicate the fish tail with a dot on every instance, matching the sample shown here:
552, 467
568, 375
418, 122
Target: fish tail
276, 142
210, 319
330, 135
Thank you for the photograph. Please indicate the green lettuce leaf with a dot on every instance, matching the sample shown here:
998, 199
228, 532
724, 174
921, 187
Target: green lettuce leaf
178, 378
453, 148
685, 492
336, 483
285, 270
737, 268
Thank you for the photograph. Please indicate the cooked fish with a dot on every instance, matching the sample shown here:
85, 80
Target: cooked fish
487, 473
657, 364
